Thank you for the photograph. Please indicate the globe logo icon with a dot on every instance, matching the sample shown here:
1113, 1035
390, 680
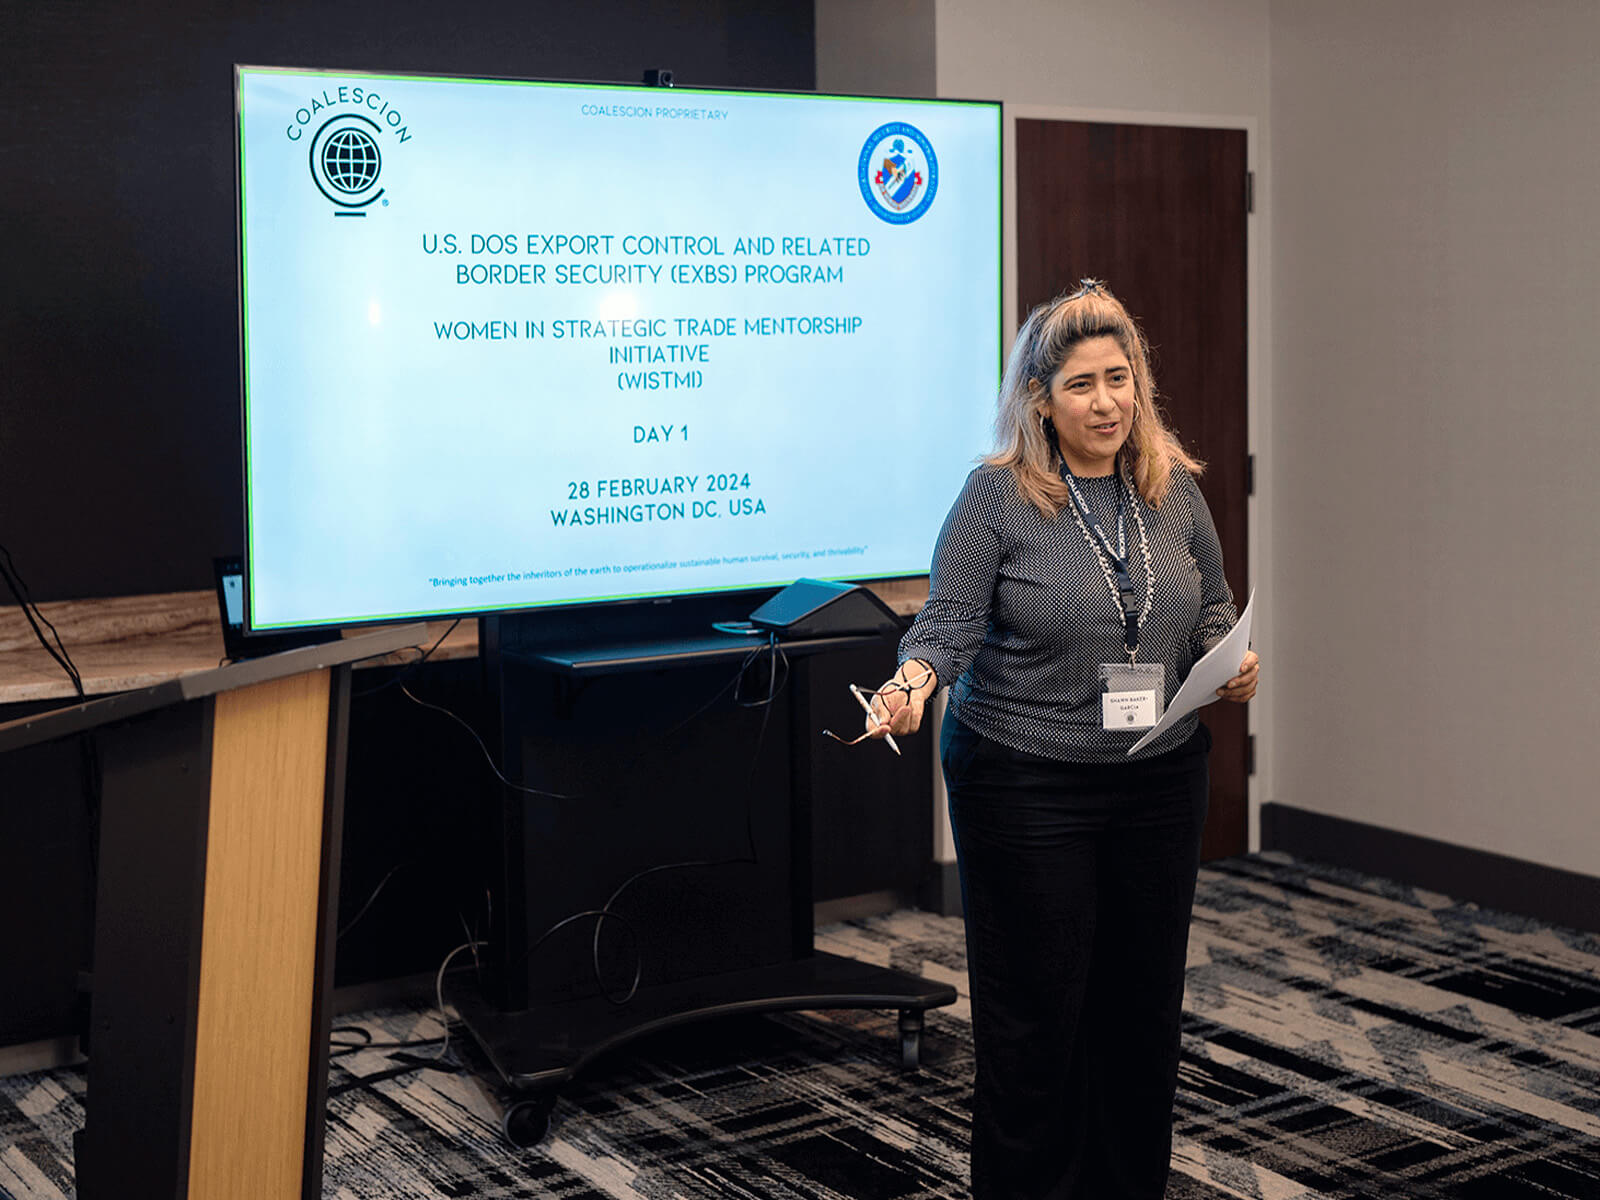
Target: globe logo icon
350, 161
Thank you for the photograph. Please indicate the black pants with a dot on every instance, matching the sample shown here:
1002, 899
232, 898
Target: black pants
1077, 879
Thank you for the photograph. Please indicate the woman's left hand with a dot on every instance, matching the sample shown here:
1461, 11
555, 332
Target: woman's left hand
1243, 685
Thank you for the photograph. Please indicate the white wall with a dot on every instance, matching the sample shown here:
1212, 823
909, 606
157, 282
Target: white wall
1425, 303
1436, 356
1177, 56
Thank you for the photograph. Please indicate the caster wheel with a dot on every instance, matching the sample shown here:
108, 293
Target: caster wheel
910, 1039
910, 1051
527, 1121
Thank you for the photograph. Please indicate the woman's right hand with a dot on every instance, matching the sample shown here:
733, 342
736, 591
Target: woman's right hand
897, 706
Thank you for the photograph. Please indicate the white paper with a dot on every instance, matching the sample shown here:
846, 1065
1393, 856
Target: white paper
1220, 664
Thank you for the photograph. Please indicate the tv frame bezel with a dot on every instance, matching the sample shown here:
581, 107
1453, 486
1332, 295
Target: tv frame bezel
656, 600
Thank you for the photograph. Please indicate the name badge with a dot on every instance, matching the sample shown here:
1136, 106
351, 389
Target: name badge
1132, 695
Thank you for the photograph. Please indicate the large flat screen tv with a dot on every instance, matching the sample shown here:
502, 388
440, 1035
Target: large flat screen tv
508, 344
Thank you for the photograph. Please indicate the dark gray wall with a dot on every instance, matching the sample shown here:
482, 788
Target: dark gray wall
119, 378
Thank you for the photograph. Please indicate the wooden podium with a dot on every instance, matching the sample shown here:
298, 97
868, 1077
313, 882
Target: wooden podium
221, 798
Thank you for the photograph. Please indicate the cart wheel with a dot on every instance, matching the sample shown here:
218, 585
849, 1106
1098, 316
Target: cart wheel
527, 1121
910, 1038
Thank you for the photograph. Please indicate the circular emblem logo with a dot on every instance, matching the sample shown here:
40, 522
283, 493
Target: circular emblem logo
345, 162
898, 172
350, 161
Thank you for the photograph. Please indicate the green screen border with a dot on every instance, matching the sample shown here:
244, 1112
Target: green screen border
242, 71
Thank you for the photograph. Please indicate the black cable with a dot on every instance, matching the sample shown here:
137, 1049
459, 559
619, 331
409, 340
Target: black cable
30, 610
773, 687
772, 690
777, 678
487, 757
699, 712
339, 1049
732, 683
737, 628
599, 914
774, 684
351, 923
410, 666
408, 1063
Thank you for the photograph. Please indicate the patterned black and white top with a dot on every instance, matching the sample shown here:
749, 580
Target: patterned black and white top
1020, 614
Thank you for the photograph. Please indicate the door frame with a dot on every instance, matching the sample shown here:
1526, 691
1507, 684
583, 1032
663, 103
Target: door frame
1258, 409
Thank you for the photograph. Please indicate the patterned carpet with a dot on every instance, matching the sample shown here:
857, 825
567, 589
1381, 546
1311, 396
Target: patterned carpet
1343, 1037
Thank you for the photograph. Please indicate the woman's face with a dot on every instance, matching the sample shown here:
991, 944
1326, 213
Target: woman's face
1091, 403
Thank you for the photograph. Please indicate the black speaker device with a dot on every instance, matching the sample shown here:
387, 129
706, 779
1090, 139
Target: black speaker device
810, 608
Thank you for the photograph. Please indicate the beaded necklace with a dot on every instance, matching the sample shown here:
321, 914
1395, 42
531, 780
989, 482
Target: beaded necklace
1101, 545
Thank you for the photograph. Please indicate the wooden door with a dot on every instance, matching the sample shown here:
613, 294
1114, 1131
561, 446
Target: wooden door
1158, 213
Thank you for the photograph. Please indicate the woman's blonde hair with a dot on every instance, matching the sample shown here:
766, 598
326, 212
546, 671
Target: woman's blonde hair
1045, 341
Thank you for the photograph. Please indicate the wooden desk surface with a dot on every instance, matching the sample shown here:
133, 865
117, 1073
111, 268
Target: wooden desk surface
126, 642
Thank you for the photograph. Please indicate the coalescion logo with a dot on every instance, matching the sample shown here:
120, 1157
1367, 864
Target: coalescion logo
343, 152
898, 172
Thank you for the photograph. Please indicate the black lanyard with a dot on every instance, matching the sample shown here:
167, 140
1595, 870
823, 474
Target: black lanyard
1125, 594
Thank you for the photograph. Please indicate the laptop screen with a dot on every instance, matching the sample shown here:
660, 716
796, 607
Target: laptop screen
233, 598
229, 574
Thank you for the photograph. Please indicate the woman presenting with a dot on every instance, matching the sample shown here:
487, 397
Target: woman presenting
1074, 584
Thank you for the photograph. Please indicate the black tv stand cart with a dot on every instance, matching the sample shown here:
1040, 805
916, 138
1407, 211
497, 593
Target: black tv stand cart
674, 799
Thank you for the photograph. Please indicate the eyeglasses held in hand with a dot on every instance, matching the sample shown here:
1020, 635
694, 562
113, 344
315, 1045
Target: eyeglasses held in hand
904, 686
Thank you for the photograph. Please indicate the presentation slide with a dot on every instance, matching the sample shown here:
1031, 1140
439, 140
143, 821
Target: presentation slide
513, 344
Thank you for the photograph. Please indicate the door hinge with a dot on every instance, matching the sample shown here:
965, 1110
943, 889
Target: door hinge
1249, 192
1250, 754
1249, 474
